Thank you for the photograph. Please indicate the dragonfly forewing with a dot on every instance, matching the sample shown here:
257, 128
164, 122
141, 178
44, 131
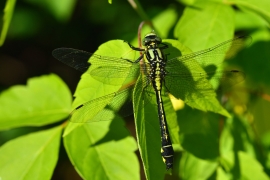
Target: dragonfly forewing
108, 70
75, 58
102, 108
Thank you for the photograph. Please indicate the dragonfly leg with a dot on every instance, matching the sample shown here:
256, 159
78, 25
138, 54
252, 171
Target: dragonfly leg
139, 59
134, 48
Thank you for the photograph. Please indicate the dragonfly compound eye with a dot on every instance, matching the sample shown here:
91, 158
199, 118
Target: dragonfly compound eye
151, 38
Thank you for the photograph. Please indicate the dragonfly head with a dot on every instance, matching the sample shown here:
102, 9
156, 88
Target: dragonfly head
151, 39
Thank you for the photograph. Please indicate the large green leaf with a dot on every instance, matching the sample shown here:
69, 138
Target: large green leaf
90, 87
205, 24
248, 21
250, 168
261, 8
221, 175
42, 101
199, 133
238, 153
31, 156
148, 135
195, 90
255, 59
103, 150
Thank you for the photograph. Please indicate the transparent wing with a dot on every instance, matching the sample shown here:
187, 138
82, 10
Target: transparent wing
75, 58
186, 79
103, 68
103, 108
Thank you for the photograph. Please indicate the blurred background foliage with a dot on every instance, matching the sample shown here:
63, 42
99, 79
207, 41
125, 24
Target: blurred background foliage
39, 26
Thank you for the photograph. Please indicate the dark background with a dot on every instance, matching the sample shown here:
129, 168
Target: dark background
35, 31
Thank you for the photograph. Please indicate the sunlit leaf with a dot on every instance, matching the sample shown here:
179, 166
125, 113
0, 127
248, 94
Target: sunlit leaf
42, 101
259, 7
103, 150
250, 168
33, 155
210, 17
90, 88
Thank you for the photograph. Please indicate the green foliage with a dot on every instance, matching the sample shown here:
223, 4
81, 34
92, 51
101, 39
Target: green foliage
8, 12
106, 147
32, 156
211, 141
34, 104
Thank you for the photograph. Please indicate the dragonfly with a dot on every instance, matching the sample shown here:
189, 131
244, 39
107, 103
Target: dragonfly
159, 75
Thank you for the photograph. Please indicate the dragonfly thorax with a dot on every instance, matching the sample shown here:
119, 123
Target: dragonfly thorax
155, 60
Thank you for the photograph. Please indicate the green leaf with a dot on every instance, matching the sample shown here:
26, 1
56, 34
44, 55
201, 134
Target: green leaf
103, 150
259, 7
194, 168
148, 135
199, 133
8, 12
187, 2
226, 146
164, 21
248, 21
195, 91
42, 101
203, 25
266, 143
172, 119
31, 156
257, 69
250, 168
234, 141
221, 175
105, 145
92, 87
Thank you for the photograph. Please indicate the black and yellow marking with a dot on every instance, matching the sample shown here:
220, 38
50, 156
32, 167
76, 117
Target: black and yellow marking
154, 57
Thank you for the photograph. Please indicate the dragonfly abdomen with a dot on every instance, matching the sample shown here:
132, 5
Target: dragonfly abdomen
166, 144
